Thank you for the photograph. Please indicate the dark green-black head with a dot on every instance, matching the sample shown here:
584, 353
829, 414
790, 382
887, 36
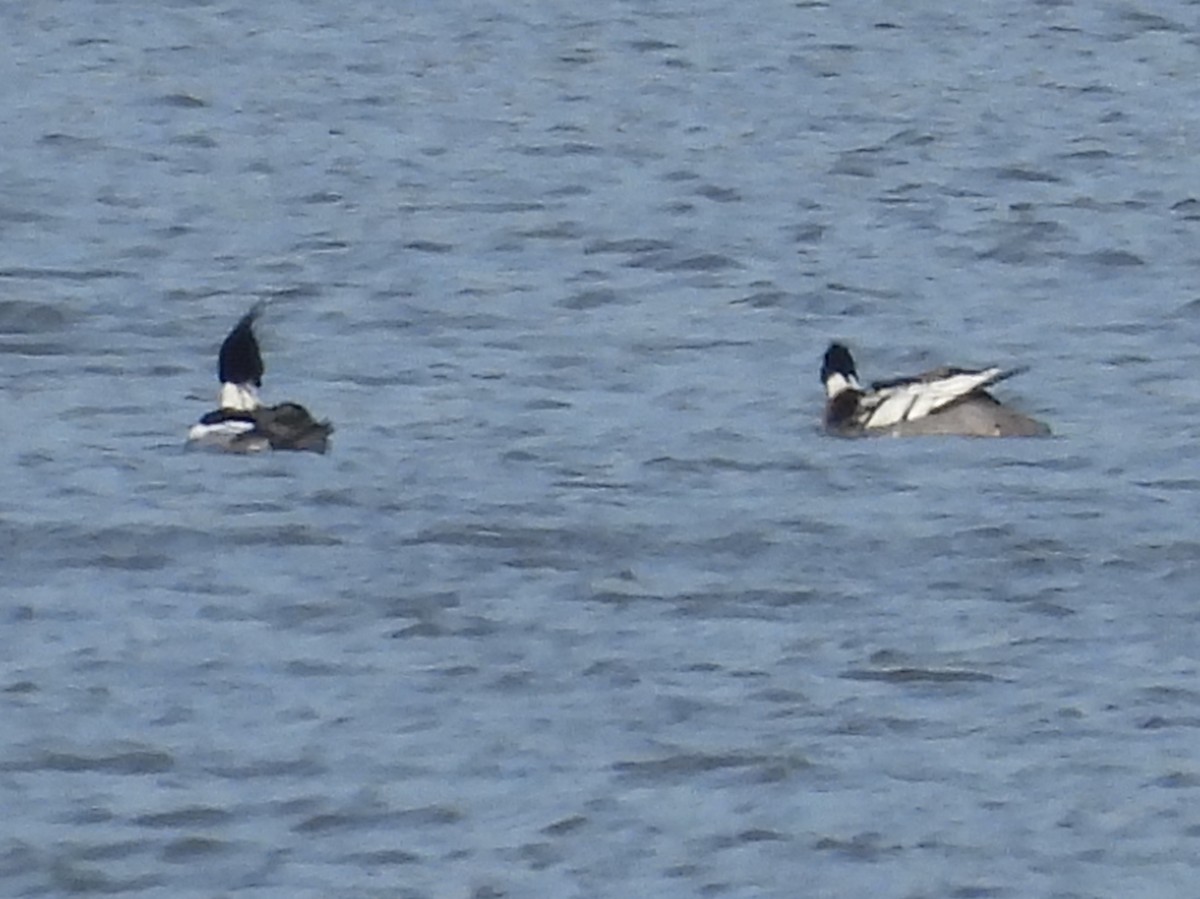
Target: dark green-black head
240, 362
838, 361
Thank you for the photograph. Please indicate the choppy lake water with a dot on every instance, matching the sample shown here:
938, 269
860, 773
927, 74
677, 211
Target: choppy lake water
582, 603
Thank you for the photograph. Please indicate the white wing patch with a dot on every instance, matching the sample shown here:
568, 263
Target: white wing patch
219, 433
918, 399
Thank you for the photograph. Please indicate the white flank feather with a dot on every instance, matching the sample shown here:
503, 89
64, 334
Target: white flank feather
221, 432
918, 399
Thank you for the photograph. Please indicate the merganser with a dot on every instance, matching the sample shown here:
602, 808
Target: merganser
942, 401
241, 423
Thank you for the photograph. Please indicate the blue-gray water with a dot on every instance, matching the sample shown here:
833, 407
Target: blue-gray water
582, 604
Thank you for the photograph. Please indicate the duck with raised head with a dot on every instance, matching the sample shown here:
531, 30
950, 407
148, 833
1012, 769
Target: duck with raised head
948, 401
241, 423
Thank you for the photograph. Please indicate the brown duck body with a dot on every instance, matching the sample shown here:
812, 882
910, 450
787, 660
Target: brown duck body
241, 423
943, 401
977, 415
288, 426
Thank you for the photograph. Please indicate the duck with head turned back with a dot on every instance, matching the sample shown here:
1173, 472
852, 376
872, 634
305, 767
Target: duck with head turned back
946, 401
241, 423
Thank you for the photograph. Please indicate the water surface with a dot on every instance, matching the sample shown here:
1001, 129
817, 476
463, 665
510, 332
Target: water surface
582, 603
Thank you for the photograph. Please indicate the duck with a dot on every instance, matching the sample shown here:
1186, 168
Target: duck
943, 401
241, 423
